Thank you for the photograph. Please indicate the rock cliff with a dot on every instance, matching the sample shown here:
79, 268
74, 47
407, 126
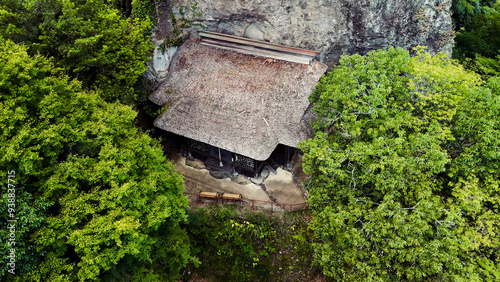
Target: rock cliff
331, 27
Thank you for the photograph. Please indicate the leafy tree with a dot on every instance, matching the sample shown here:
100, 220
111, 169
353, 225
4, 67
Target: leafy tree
482, 38
478, 47
464, 11
232, 246
392, 189
29, 215
488, 66
475, 170
111, 186
90, 40
15, 21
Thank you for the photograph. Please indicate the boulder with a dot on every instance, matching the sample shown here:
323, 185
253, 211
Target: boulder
253, 32
219, 174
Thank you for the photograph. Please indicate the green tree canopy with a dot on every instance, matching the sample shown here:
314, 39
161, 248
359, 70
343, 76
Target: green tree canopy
90, 40
111, 187
464, 11
478, 47
395, 187
29, 215
482, 38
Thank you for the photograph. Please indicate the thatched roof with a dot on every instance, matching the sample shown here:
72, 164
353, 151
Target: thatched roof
241, 103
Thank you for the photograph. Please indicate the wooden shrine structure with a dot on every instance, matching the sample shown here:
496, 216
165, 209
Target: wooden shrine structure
240, 103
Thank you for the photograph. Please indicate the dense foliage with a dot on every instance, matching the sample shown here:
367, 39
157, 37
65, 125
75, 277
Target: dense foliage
93, 191
89, 40
405, 166
250, 247
464, 11
29, 215
477, 44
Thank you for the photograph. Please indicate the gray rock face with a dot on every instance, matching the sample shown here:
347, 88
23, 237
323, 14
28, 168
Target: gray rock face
333, 27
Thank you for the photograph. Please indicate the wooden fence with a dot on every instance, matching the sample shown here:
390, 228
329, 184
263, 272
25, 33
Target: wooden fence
252, 203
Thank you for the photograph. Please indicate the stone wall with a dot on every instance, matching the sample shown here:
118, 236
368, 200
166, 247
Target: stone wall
331, 27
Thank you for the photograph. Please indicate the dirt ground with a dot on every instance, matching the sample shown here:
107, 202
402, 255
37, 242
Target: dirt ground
280, 187
196, 180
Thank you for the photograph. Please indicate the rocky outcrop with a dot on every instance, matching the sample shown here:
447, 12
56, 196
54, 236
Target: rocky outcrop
332, 27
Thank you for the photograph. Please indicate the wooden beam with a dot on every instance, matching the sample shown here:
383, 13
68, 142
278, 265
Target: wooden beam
262, 44
262, 52
257, 52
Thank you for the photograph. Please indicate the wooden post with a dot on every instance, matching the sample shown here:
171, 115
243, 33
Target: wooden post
220, 159
288, 157
287, 154
271, 208
253, 209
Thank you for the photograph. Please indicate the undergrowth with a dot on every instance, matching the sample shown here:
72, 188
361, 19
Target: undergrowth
243, 246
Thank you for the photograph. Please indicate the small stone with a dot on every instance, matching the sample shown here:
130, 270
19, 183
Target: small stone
265, 173
253, 32
257, 181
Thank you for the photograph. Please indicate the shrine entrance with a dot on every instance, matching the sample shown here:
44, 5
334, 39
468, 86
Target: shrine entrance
220, 159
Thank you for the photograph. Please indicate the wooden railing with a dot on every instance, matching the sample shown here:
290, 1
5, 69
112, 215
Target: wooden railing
252, 202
